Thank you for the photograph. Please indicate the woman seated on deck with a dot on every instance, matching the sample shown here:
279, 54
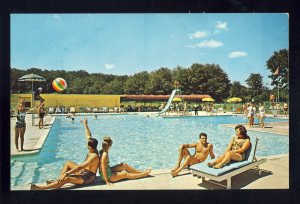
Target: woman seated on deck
84, 173
235, 150
121, 171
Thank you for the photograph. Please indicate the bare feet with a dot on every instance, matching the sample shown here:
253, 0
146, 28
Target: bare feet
34, 187
148, 171
49, 181
211, 164
218, 166
174, 173
175, 168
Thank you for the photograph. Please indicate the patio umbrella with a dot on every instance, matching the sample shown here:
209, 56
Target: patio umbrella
177, 100
32, 78
234, 99
208, 99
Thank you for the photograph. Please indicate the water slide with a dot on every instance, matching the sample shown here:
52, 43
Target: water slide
169, 102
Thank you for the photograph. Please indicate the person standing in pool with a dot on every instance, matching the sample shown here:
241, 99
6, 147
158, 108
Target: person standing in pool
83, 173
119, 172
235, 150
202, 149
20, 127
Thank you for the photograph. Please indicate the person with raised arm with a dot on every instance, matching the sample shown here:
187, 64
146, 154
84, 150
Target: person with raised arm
73, 173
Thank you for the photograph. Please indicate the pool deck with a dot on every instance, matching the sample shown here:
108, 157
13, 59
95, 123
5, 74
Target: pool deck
275, 173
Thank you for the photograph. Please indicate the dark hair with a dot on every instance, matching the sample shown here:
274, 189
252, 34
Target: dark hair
202, 134
243, 130
93, 143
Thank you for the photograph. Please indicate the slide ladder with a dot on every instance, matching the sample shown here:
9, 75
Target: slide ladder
169, 101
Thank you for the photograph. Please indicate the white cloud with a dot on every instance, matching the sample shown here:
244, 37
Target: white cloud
221, 25
210, 43
198, 34
191, 46
109, 66
56, 17
237, 54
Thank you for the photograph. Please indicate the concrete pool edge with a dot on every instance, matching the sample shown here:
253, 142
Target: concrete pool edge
276, 171
35, 138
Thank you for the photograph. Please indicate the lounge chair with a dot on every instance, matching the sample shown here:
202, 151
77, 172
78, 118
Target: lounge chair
82, 109
105, 109
229, 170
95, 110
51, 110
72, 110
88, 110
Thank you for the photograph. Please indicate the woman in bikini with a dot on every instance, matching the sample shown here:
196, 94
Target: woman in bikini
121, 171
84, 173
235, 150
20, 127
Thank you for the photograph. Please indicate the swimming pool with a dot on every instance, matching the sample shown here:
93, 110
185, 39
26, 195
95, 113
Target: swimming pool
138, 140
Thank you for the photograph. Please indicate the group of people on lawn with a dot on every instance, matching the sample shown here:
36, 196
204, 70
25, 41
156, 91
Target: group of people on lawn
85, 173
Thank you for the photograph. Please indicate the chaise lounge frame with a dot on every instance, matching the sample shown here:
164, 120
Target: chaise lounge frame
230, 173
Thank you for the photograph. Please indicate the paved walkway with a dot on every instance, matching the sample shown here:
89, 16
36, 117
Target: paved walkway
34, 137
274, 176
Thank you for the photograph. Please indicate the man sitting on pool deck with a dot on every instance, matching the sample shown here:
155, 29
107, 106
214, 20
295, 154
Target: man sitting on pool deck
202, 149
84, 173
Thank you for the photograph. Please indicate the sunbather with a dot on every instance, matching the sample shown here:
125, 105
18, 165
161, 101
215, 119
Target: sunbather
235, 150
84, 173
202, 149
121, 171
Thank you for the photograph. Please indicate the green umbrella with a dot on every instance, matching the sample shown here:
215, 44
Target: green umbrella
32, 78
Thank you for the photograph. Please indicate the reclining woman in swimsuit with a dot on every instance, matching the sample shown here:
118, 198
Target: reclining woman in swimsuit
84, 173
235, 150
121, 171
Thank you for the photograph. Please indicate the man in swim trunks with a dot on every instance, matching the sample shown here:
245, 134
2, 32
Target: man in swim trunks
83, 173
202, 149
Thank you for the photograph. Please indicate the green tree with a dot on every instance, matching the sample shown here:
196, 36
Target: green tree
255, 85
209, 79
279, 60
238, 90
137, 83
160, 82
113, 87
182, 75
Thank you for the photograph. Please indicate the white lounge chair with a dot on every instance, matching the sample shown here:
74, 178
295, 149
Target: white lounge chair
72, 110
229, 170
51, 110
105, 109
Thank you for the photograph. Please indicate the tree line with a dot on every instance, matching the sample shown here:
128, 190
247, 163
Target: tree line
197, 79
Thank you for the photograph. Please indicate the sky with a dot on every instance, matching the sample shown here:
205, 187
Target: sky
130, 43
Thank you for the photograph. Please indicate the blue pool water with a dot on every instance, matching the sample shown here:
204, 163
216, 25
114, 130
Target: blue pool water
138, 140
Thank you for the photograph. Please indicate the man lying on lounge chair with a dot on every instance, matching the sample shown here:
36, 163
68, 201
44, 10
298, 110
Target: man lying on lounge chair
202, 149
